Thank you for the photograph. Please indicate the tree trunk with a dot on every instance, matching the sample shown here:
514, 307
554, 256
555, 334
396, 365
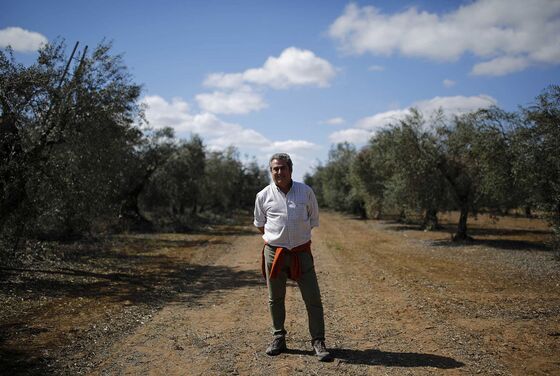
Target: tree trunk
430, 220
13, 176
362, 210
461, 234
194, 208
555, 224
402, 216
130, 214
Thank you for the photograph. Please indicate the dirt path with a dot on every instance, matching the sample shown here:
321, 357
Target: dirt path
394, 305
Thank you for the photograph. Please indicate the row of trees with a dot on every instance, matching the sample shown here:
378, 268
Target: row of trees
76, 154
485, 160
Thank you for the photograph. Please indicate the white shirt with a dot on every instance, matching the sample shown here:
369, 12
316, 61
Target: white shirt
287, 218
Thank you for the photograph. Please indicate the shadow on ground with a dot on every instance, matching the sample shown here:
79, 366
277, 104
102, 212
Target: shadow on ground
505, 244
473, 230
502, 238
374, 357
141, 272
20, 363
142, 279
394, 359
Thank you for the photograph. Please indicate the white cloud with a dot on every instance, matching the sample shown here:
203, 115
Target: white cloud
501, 66
218, 134
377, 121
368, 126
513, 34
235, 135
240, 101
352, 135
455, 105
224, 80
290, 146
333, 121
376, 68
162, 114
21, 40
294, 67
448, 83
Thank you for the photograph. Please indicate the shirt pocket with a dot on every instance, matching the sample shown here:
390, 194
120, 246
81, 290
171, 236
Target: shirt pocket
301, 211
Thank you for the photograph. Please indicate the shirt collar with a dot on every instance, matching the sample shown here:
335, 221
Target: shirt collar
278, 188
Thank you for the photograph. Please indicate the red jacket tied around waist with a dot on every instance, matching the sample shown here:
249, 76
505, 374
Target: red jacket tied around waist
295, 265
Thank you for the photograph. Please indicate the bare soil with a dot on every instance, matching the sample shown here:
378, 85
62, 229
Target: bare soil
398, 301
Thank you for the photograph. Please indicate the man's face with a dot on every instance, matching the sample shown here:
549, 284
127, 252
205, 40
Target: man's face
281, 174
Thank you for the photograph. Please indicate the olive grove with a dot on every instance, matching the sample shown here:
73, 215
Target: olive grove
423, 164
77, 156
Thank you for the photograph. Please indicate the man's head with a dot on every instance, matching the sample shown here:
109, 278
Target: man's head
281, 169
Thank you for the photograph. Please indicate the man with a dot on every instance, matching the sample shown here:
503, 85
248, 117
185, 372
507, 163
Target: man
285, 213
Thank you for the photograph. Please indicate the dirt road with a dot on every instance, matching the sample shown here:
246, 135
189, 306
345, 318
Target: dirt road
397, 302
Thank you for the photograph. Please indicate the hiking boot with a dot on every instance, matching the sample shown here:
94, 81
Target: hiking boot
277, 346
321, 351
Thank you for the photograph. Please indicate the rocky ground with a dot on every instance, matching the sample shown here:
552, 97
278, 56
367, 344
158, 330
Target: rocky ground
397, 300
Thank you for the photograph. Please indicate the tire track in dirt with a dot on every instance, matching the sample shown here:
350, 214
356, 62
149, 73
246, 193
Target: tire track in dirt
468, 304
204, 336
386, 328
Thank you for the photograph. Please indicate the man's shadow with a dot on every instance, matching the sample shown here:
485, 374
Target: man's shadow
374, 357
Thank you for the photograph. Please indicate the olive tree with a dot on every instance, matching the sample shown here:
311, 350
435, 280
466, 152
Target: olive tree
537, 161
173, 195
68, 131
332, 182
475, 161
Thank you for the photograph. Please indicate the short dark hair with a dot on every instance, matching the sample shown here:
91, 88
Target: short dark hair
281, 157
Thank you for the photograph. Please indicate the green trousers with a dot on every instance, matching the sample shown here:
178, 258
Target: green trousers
308, 287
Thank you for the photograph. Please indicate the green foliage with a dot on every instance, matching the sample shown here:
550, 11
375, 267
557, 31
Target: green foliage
368, 178
254, 179
174, 191
228, 184
150, 153
76, 157
332, 182
537, 163
484, 160
397, 172
73, 133
475, 160
193, 185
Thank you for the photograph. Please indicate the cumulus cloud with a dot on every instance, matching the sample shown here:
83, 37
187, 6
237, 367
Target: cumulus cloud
240, 101
501, 66
377, 121
290, 146
224, 80
21, 40
455, 105
162, 113
352, 135
217, 133
508, 35
294, 67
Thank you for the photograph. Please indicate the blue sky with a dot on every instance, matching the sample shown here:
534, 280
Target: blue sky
300, 76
